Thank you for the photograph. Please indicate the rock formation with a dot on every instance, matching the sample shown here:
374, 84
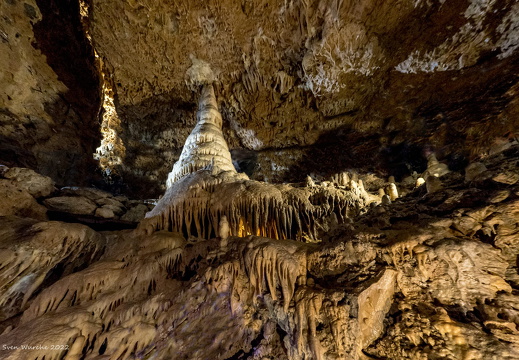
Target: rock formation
296, 273
276, 234
305, 87
204, 186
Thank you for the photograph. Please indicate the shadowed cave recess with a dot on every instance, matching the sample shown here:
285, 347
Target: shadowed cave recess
253, 180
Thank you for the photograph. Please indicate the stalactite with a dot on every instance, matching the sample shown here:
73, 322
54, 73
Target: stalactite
272, 264
196, 204
308, 307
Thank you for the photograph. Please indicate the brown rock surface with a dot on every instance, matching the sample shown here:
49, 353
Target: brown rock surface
50, 97
29, 180
332, 96
17, 201
299, 84
71, 204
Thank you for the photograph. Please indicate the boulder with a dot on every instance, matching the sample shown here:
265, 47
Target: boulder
474, 170
35, 184
135, 214
110, 201
104, 213
17, 201
117, 210
78, 205
90, 193
506, 177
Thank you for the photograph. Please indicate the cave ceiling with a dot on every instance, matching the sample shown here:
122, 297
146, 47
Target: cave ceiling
303, 86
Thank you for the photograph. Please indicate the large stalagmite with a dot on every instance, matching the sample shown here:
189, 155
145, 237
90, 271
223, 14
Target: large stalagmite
204, 186
206, 145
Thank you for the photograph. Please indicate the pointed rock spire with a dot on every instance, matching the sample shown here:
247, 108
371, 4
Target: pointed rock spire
205, 146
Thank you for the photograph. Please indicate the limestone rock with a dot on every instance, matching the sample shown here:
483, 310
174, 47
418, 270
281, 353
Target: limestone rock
117, 210
508, 178
474, 170
433, 184
90, 193
35, 184
373, 305
104, 213
135, 214
110, 201
3, 169
30, 251
78, 205
499, 196
17, 201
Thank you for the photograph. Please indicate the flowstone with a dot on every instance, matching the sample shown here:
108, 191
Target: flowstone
229, 268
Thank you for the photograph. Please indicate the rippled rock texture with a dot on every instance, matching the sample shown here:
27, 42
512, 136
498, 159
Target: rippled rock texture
428, 273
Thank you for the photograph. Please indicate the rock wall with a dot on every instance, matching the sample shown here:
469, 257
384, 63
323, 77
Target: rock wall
49, 102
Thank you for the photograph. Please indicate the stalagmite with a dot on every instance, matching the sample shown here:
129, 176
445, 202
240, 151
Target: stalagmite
223, 231
205, 146
419, 182
344, 179
203, 187
434, 167
309, 181
393, 192
361, 186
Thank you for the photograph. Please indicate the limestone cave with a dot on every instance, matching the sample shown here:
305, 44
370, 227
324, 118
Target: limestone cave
259, 179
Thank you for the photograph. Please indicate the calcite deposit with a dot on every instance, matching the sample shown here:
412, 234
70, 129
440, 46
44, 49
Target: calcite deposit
317, 270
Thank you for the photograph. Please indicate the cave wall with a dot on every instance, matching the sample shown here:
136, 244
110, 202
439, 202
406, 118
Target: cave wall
50, 96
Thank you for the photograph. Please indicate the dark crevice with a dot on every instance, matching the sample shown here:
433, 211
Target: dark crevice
95, 223
60, 37
242, 355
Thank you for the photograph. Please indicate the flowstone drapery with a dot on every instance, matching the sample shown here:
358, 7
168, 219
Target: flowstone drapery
204, 186
430, 275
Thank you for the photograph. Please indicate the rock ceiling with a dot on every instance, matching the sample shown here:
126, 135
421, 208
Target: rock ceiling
303, 86
310, 79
